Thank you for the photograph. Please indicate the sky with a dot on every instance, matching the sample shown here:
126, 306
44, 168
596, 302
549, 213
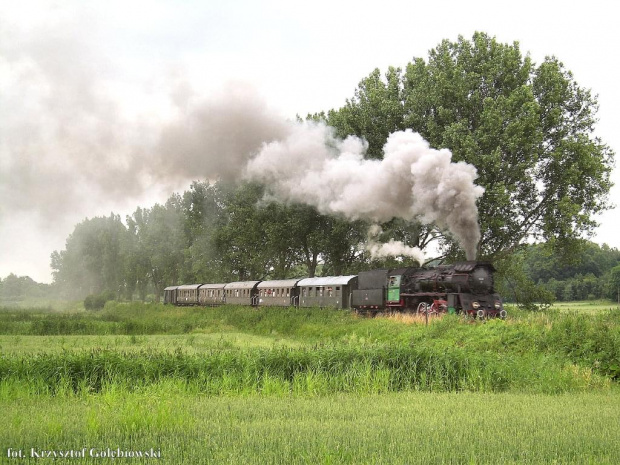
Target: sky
88, 87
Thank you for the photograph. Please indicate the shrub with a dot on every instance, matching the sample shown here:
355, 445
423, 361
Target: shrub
97, 301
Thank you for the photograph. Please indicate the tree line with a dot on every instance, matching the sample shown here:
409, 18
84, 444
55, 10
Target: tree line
14, 288
592, 273
210, 233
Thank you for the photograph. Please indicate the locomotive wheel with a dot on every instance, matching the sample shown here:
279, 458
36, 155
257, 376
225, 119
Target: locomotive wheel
422, 308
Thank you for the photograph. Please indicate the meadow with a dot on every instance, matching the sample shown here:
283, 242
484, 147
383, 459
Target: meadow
232, 384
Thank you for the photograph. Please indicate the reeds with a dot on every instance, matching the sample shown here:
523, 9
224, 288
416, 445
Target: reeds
319, 370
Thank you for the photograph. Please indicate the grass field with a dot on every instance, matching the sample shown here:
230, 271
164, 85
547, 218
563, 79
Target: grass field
340, 428
238, 385
589, 307
188, 343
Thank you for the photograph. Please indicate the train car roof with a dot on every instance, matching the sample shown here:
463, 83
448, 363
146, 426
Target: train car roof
213, 286
171, 288
278, 283
327, 281
189, 286
241, 285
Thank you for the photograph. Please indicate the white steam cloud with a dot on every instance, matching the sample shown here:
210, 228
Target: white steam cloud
392, 248
412, 181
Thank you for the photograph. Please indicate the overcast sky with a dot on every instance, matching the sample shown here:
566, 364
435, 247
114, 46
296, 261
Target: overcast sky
87, 87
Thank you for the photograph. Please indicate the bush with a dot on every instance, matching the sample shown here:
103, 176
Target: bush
97, 301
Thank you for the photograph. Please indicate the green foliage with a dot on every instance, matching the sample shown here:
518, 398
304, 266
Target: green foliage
514, 284
18, 288
526, 128
374, 112
614, 288
337, 369
98, 301
586, 274
212, 233
529, 344
93, 260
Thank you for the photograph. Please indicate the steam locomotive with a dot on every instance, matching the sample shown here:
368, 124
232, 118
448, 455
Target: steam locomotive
464, 288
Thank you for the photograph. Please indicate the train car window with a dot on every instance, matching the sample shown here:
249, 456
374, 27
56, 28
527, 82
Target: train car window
330, 292
303, 292
288, 292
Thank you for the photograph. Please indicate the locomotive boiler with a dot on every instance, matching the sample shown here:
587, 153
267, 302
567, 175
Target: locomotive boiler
465, 287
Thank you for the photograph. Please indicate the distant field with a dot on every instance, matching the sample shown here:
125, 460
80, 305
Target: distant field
272, 385
588, 306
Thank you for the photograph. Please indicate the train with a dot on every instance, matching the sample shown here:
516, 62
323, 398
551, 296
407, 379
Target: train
463, 288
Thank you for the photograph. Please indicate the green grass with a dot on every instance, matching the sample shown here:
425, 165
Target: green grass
590, 341
194, 343
272, 385
588, 306
346, 428
324, 370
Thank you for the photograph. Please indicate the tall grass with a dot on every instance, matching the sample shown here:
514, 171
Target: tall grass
318, 370
590, 341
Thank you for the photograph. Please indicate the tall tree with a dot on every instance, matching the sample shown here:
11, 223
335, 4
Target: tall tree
94, 258
374, 112
204, 211
241, 240
526, 128
160, 244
